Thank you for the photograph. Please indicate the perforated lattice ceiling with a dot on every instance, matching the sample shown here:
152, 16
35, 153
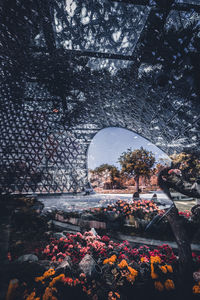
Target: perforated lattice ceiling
70, 68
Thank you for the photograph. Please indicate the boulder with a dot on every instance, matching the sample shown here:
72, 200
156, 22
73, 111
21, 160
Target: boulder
65, 264
27, 257
94, 231
87, 265
196, 276
58, 235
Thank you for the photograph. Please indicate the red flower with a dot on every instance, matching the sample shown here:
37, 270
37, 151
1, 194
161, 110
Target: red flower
105, 238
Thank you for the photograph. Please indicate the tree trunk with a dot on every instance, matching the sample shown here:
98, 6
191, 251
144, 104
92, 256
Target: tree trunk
137, 183
182, 240
184, 252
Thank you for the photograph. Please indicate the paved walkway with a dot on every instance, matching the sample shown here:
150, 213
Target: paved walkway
152, 242
80, 202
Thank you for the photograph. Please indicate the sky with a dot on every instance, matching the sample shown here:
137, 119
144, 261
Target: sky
108, 144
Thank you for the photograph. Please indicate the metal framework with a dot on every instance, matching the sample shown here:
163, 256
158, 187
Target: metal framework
71, 68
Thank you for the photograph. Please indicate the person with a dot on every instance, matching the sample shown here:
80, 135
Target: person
154, 198
88, 189
136, 195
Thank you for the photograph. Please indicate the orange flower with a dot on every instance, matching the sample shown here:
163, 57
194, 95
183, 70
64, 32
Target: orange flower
55, 279
48, 294
132, 271
169, 285
130, 278
196, 289
155, 259
123, 264
153, 274
31, 296
158, 286
117, 294
113, 258
164, 269
169, 268
46, 274
110, 260
144, 259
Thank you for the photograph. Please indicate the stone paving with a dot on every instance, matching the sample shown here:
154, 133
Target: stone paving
81, 202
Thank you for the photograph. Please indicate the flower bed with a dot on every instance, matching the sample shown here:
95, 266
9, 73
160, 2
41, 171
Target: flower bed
128, 217
112, 270
142, 209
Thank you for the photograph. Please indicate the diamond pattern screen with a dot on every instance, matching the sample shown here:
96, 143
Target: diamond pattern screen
71, 68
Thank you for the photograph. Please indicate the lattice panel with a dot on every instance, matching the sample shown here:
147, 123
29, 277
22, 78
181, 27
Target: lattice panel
68, 69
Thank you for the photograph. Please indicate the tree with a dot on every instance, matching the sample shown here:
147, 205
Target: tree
137, 163
188, 163
180, 177
111, 172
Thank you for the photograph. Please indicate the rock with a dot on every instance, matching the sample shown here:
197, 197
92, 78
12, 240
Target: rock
65, 264
87, 216
58, 235
111, 215
196, 276
94, 231
27, 257
87, 265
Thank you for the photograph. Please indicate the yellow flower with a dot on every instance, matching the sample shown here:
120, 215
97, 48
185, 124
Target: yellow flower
123, 264
196, 289
158, 286
155, 259
169, 285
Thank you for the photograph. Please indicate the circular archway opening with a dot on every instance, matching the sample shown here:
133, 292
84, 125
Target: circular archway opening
105, 165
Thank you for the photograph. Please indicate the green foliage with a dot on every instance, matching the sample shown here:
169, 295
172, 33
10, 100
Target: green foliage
114, 173
188, 163
102, 168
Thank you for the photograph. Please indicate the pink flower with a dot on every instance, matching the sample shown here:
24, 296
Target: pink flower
176, 171
123, 256
79, 235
